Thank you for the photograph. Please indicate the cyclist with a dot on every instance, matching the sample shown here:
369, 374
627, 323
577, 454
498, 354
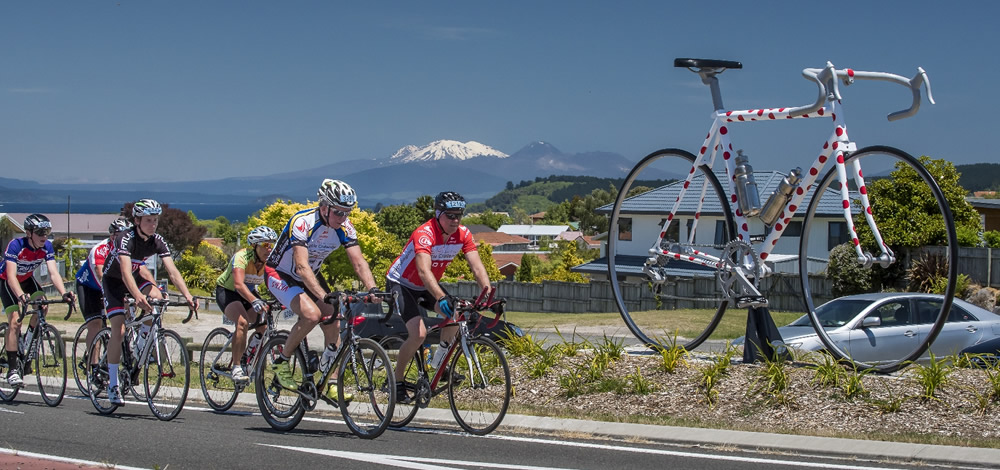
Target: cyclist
293, 275
119, 280
89, 276
22, 257
235, 291
417, 270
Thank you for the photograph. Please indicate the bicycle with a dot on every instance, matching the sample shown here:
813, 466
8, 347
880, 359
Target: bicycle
362, 366
42, 347
216, 361
478, 383
80, 361
737, 258
165, 368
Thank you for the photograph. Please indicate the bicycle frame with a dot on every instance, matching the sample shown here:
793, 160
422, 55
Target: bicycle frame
266, 319
835, 147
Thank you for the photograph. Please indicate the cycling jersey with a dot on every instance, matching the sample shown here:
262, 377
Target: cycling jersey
134, 246
97, 257
306, 229
26, 258
245, 260
428, 238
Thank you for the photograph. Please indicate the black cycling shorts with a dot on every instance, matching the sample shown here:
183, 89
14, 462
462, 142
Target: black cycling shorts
91, 302
413, 303
224, 297
28, 286
115, 292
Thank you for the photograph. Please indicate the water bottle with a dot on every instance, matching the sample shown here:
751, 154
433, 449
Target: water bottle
328, 356
26, 339
439, 355
251, 347
746, 186
776, 202
141, 342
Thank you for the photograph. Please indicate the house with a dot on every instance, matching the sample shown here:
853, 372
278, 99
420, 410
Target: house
10, 228
479, 228
503, 242
537, 217
82, 227
643, 216
509, 263
989, 211
534, 232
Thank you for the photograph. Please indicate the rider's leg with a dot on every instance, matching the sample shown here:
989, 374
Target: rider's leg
237, 314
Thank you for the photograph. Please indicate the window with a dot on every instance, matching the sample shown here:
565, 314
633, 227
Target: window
673, 233
793, 229
720, 232
837, 234
625, 228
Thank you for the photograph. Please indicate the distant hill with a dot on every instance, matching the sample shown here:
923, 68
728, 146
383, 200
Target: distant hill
979, 176
541, 193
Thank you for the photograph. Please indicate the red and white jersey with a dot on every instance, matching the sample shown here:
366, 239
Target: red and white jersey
428, 238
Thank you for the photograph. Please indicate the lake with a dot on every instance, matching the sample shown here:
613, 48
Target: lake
203, 211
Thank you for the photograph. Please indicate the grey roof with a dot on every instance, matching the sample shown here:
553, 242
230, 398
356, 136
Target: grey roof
79, 223
983, 203
660, 200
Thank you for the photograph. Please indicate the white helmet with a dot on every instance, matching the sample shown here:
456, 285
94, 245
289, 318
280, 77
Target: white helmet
145, 207
337, 193
261, 234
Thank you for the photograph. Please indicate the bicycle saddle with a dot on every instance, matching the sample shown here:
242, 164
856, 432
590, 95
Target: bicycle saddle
707, 63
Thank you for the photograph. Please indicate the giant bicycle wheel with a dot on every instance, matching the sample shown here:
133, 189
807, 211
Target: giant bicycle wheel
167, 375
7, 393
97, 374
479, 386
50, 365
924, 207
215, 367
282, 408
366, 373
402, 414
689, 302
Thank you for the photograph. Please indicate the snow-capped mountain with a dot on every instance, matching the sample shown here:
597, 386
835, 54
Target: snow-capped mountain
444, 150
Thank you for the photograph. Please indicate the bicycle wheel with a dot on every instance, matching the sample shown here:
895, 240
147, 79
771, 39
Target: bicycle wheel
78, 358
366, 373
684, 298
215, 365
97, 374
7, 393
926, 209
50, 365
167, 375
402, 414
281, 408
479, 387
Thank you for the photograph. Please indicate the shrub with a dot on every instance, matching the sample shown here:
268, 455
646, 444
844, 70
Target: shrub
848, 276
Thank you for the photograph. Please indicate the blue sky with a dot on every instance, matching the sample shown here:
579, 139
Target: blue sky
178, 90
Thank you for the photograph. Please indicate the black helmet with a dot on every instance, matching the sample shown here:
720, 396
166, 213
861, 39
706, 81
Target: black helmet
119, 225
449, 200
37, 223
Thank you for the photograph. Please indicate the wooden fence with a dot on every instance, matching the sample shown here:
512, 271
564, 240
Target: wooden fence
783, 292
982, 265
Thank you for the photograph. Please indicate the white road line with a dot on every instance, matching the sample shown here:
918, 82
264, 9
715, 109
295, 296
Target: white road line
5, 410
57, 458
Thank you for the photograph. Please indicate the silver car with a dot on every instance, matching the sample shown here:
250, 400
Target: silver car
886, 326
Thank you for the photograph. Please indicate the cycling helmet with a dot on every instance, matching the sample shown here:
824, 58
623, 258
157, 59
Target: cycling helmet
449, 200
261, 234
337, 193
119, 225
146, 207
34, 222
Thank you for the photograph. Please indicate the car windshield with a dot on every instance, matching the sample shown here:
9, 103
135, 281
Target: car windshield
835, 313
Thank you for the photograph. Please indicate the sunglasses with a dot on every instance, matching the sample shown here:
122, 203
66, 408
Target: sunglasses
266, 245
339, 213
453, 215
42, 232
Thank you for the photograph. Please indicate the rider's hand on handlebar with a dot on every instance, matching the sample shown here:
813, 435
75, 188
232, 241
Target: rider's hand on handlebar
447, 306
143, 303
191, 303
259, 305
23, 300
372, 298
68, 297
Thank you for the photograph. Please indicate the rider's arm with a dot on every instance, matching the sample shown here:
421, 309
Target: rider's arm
57, 280
300, 259
125, 266
145, 274
423, 261
361, 266
177, 280
12, 282
239, 275
478, 269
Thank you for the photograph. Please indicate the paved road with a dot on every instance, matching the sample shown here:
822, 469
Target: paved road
198, 438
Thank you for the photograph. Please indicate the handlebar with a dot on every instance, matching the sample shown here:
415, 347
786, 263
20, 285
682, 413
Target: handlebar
44, 301
826, 78
173, 303
347, 298
485, 301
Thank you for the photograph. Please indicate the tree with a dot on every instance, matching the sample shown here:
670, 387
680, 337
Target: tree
459, 269
563, 258
400, 220
510, 186
177, 227
557, 214
277, 214
379, 247
201, 265
530, 268
489, 218
908, 213
425, 204
848, 276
